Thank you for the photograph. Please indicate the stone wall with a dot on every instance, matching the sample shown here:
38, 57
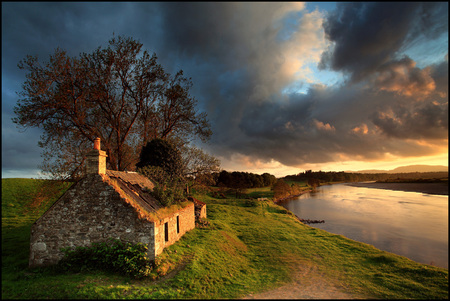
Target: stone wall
177, 225
200, 208
91, 211
202, 212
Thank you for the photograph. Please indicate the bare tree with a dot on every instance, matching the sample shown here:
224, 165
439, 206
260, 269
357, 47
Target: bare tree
119, 93
197, 162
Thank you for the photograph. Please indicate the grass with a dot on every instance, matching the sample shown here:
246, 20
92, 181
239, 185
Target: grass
255, 193
249, 247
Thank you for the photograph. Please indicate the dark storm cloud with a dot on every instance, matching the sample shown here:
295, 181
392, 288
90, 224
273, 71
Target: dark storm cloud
38, 28
238, 76
440, 74
200, 30
423, 119
316, 130
251, 116
241, 59
428, 121
369, 35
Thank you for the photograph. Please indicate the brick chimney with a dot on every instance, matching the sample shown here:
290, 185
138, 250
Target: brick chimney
96, 160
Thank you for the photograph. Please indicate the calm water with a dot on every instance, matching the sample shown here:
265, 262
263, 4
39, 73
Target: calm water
410, 224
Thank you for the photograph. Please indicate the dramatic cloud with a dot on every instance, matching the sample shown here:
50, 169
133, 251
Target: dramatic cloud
282, 83
315, 127
404, 78
369, 35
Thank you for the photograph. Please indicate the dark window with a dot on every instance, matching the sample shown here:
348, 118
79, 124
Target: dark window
178, 224
166, 231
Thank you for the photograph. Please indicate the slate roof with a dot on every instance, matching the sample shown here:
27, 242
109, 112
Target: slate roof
132, 178
135, 187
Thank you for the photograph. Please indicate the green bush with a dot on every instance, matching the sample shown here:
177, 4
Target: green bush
167, 190
164, 154
154, 173
114, 255
168, 193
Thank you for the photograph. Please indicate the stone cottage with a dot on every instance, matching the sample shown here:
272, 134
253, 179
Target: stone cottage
107, 204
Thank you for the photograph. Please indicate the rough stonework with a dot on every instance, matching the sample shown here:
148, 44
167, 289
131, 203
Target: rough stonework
107, 204
200, 208
178, 224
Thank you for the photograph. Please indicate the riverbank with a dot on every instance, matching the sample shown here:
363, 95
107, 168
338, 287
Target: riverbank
291, 197
430, 188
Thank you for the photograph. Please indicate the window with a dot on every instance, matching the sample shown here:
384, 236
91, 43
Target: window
166, 231
178, 224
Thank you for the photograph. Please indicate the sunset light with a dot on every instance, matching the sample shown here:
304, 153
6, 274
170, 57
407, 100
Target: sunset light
225, 150
287, 87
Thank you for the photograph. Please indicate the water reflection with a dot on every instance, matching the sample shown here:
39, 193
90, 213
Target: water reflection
410, 224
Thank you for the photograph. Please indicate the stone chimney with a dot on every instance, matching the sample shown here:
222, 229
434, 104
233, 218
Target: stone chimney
96, 160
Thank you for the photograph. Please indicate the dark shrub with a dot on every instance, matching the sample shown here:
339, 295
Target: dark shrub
114, 255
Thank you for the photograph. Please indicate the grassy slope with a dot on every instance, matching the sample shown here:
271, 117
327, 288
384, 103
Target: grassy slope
23, 202
248, 247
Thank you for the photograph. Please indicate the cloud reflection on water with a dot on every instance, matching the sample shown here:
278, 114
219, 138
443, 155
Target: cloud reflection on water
406, 223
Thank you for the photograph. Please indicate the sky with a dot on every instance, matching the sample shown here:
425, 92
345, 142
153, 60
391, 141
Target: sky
287, 86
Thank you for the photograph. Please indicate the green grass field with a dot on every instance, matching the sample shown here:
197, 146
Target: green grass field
249, 247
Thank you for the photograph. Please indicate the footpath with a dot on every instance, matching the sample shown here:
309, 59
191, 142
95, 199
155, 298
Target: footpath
308, 283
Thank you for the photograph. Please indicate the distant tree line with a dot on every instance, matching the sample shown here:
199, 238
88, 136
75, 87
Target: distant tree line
318, 177
242, 180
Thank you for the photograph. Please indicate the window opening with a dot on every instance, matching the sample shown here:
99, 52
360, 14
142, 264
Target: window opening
178, 224
166, 231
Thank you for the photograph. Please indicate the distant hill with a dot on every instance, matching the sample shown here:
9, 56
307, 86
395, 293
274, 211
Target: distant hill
409, 168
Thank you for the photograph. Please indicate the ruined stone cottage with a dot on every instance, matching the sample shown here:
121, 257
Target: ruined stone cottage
200, 208
107, 204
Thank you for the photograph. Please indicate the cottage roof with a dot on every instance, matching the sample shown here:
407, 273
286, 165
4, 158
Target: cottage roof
135, 187
197, 203
131, 177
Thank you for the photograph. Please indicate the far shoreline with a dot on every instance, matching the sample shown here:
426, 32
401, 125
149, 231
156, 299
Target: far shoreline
429, 188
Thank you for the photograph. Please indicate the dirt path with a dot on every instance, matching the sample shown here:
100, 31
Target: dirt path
309, 283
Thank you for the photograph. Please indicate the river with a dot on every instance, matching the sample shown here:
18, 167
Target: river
411, 224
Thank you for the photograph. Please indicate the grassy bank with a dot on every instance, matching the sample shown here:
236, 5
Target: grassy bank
249, 247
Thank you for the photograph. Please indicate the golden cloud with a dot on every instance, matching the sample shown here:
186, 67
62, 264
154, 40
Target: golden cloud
323, 126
